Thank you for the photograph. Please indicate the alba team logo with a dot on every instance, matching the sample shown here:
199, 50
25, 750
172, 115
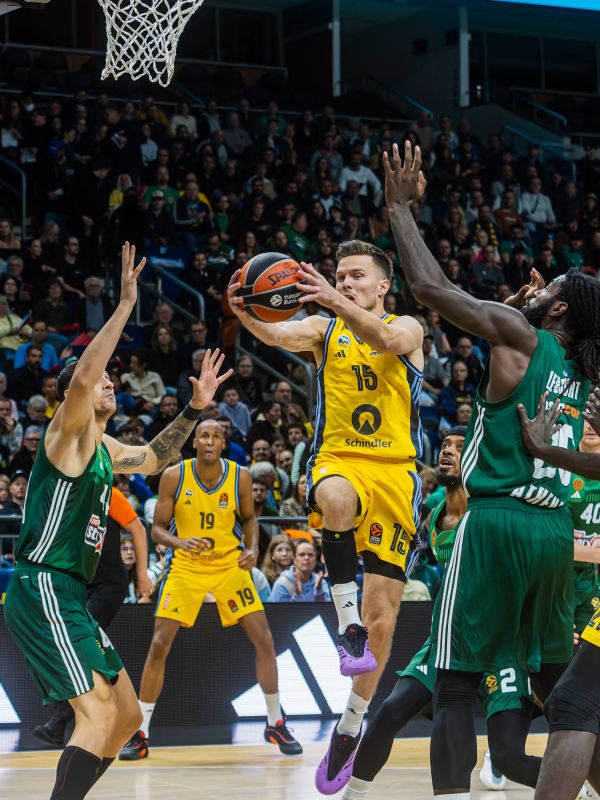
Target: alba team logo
366, 420
343, 341
223, 500
491, 683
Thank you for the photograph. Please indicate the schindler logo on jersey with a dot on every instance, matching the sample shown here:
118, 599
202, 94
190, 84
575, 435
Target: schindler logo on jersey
315, 661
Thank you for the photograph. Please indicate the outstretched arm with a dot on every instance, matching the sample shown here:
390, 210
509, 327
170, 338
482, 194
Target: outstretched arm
499, 324
156, 455
297, 336
538, 431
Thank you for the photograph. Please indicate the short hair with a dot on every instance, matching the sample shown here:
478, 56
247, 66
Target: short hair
356, 247
35, 347
64, 379
37, 400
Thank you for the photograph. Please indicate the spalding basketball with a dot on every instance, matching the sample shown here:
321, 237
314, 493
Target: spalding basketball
270, 287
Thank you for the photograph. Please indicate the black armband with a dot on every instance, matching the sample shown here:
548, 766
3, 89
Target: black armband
191, 413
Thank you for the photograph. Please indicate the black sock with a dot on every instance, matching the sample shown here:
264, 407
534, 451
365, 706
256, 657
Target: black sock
75, 774
339, 552
106, 762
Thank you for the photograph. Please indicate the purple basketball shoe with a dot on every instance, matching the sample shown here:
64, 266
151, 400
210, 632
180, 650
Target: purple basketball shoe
335, 769
354, 651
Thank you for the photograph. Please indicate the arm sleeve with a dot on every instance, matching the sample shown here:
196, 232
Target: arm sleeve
120, 508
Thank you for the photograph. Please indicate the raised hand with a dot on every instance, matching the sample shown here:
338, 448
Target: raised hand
592, 410
205, 387
129, 274
527, 291
404, 183
538, 431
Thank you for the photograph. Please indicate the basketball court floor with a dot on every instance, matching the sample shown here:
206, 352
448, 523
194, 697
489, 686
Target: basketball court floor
230, 772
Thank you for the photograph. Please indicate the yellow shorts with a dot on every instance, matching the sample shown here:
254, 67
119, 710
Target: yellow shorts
183, 592
389, 499
591, 632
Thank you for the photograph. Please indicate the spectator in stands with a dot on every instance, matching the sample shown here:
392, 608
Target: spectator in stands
94, 309
296, 234
266, 532
50, 395
464, 352
278, 558
260, 451
192, 216
536, 208
434, 374
237, 140
235, 410
267, 424
27, 380
463, 414
39, 336
457, 392
248, 384
233, 450
300, 583
487, 274
35, 411
164, 357
283, 460
167, 411
11, 327
11, 430
295, 505
53, 311
146, 386
23, 459
17, 490
162, 184
184, 385
516, 238
509, 212
368, 183
547, 264
164, 314
159, 227
184, 117
8, 240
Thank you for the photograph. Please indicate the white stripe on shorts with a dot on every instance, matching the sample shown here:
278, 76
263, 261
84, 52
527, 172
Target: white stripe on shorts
442, 659
61, 635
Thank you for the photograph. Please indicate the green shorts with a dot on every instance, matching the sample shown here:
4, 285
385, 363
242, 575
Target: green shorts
502, 689
62, 643
507, 591
587, 595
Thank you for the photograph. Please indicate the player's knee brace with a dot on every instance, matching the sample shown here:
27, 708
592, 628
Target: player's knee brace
339, 552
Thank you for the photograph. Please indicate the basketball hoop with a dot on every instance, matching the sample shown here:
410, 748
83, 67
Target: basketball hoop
142, 36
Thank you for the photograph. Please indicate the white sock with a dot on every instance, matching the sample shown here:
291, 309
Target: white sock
147, 710
273, 708
461, 796
345, 599
352, 717
356, 789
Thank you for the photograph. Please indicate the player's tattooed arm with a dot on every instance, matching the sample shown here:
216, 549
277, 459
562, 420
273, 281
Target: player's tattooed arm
158, 454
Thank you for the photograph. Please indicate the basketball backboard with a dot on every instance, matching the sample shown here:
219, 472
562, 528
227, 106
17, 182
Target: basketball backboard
13, 5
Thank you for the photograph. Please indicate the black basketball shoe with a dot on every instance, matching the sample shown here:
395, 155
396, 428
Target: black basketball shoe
279, 734
135, 749
52, 731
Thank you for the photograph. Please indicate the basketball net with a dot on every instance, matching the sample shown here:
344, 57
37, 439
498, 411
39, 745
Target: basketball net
142, 36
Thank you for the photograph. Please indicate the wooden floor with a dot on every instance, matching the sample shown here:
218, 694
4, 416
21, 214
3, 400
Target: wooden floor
239, 771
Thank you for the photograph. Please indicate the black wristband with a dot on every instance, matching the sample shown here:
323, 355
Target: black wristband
191, 413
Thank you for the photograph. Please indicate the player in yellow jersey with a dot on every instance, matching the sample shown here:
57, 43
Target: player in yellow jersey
362, 477
205, 516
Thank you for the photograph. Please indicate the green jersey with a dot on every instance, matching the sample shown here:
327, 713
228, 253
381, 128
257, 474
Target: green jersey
64, 518
441, 542
494, 459
584, 505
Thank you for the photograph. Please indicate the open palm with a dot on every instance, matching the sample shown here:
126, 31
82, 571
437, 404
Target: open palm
205, 387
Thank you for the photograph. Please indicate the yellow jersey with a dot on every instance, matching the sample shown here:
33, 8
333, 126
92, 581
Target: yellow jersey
207, 514
367, 402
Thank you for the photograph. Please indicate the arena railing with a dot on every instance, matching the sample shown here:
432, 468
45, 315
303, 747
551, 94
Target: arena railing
7, 166
553, 152
309, 393
165, 274
540, 112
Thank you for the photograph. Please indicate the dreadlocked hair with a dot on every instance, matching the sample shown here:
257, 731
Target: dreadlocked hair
582, 294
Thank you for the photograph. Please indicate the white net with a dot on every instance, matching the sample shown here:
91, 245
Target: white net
142, 36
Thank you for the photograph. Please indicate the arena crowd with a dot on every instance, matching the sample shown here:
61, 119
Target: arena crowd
214, 188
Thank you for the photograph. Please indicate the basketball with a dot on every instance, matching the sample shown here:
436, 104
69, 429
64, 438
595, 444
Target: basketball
270, 287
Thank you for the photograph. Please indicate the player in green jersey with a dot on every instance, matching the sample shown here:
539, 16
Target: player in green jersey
504, 692
509, 585
64, 523
584, 505
573, 707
